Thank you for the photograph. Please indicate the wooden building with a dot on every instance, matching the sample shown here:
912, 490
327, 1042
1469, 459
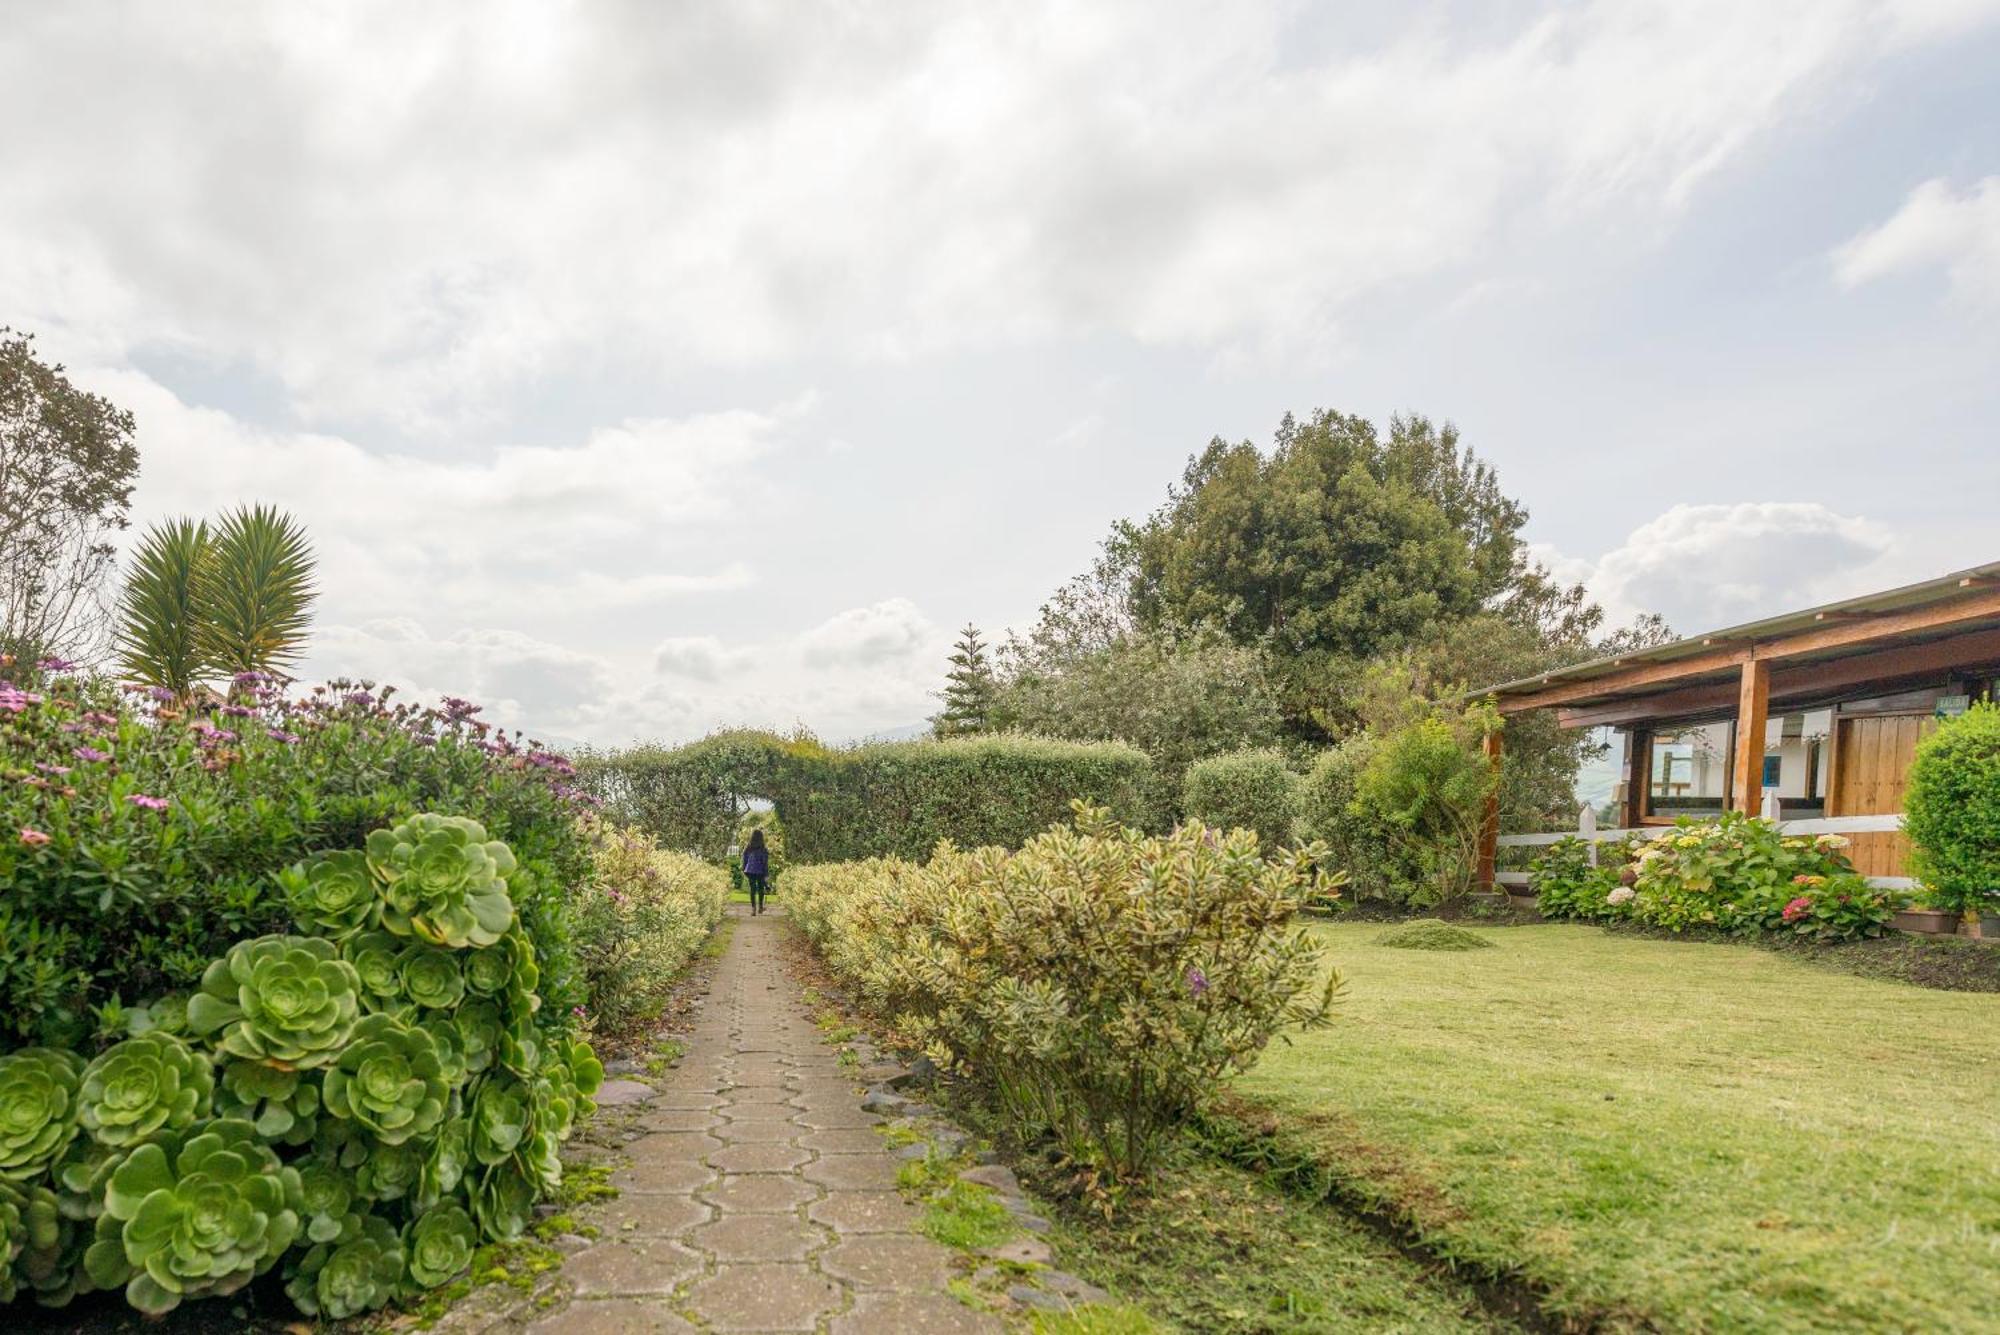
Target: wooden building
1816, 713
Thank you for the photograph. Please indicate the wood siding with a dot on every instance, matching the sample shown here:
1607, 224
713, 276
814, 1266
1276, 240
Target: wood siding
1871, 769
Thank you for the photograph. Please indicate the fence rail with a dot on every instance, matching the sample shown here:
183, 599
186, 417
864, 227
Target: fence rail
1587, 831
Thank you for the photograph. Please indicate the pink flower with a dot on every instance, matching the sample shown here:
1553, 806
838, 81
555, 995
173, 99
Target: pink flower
90, 754
1797, 909
33, 838
148, 803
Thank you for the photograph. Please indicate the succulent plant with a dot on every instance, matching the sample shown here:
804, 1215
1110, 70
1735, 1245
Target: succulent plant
490, 969
480, 1030
38, 1109
439, 1244
283, 999
332, 894
327, 1194
501, 1198
282, 1104
142, 1086
31, 1235
444, 881
392, 1172
389, 1080
501, 1110
445, 1166
81, 1176
431, 976
199, 1212
357, 1272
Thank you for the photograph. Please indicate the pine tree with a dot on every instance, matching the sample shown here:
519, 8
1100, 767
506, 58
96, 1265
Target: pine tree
969, 688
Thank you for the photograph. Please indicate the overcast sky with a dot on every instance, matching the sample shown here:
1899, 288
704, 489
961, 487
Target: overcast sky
646, 368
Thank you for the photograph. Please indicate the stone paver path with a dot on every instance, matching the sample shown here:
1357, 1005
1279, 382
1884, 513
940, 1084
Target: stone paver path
760, 1197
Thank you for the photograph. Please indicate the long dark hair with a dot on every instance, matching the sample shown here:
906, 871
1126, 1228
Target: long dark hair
756, 840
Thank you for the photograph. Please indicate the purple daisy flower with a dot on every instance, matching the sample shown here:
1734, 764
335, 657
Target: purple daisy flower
1197, 981
148, 802
280, 735
90, 754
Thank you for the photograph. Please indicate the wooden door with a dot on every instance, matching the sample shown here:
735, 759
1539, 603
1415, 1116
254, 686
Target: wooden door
1871, 768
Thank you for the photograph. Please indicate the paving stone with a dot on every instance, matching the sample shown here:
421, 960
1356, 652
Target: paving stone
757, 1237
659, 1146
865, 1212
852, 1172
615, 1093
757, 1112
623, 1268
673, 1177
650, 1215
849, 1140
914, 1314
760, 1193
612, 1316
999, 1178
1021, 1251
836, 1119
759, 1158
752, 1133
889, 1261
763, 1297
679, 1119
687, 1099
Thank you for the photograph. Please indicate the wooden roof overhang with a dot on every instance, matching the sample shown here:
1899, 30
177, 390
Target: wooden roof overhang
1922, 632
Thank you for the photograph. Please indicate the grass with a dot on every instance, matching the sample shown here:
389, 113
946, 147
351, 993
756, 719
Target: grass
1213, 1248
968, 1216
1096, 1319
1432, 934
1693, 1136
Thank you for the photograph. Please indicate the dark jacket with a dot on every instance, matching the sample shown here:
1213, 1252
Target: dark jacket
756, 862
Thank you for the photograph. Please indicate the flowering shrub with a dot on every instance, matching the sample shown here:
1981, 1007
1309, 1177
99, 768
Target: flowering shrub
352, 1137
1100, 982
140, 837
1567, 886
1738, 874
643, 917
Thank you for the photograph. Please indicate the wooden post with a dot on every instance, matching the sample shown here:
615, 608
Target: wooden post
1638, 748
1753, 709
1489, 820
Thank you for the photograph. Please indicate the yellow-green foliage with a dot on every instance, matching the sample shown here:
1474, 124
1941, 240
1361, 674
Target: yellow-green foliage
1101, 981
646, 913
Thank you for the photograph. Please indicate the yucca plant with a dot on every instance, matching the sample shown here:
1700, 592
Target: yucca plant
256, 593
232, 599
159, 616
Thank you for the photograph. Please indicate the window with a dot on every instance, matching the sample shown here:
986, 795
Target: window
1687, 772
1774, 770
1796, 752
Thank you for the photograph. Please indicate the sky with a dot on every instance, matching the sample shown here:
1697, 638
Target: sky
642, 369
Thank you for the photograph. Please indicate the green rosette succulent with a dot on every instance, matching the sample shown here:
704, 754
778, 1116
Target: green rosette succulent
142, 1086
502, 1112
431, 977
201, 1212
489, 970
389, 1080
332, 894
501, 1199
439, 1243
286, 1000
39, 1089
282, 1104
39, 1248
445, 1167
358, 1272
165, 1015
392, 1172
450, 1044
327, 1195
375, 956
480, 1030
444, 881
82, 1175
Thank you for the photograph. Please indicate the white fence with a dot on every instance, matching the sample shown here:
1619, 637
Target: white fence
1586, 830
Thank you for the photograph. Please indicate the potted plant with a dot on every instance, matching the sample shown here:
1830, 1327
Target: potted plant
1924, 918
1952, 815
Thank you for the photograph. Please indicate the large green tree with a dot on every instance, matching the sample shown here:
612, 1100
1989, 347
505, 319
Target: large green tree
969, 688
67, 465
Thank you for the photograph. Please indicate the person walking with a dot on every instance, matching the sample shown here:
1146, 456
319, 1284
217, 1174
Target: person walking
757, 870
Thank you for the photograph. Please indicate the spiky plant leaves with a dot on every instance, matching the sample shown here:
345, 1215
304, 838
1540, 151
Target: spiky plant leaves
257, 593
159, 615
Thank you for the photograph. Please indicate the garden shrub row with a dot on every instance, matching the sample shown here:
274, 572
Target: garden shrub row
638, 923
887, 799
1098, 983
1736, 874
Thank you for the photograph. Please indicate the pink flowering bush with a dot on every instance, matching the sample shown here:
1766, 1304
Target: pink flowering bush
1739, 874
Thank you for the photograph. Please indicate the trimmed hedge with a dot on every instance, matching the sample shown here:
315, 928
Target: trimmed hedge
887, 799
1246, 790
1953, 818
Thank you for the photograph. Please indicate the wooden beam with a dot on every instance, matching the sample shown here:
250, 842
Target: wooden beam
1489, 818
1974, 606
1803, 681
1638, 763
1753, 704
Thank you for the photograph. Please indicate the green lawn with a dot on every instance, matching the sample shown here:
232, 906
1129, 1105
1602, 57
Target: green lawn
1703, 1137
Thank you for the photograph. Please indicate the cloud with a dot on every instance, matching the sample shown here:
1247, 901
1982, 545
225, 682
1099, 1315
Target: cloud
417, 214
1708, 566
1937, 227
886, 632
698, 657
519, 679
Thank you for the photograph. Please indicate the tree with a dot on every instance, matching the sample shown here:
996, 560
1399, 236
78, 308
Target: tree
229, 600
67, 465
969, 690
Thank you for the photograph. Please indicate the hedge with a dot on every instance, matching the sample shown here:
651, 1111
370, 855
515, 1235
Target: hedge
1248, 790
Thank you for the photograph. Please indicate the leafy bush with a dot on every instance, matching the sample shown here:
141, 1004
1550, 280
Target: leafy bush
140, 839
1738, 874
1431, 934
1567, 886
1358, 842
371, 1125
1426, 786
1952, 814
1247, 790
1100, 981
638, 923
